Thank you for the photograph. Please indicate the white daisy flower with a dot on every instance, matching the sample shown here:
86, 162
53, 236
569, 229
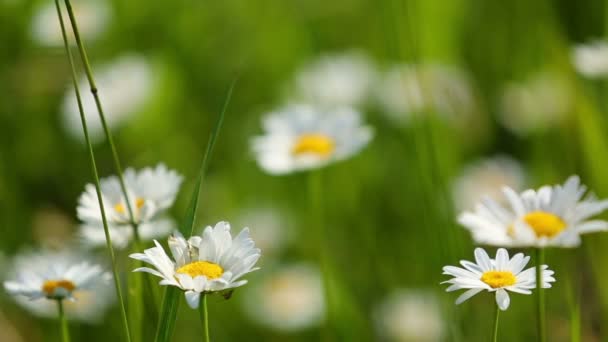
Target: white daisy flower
52, 275
591, 60
212, 262
93, 17
302, 137
536, 104
407, 90
125, 85
495, 275
289, 299
487, 177
336, 80
89, 305
410, 315
551, 216
151, 192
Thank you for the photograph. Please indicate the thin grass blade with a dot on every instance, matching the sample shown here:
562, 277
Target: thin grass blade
170, 304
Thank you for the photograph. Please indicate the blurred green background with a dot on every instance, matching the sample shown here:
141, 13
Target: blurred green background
389, 211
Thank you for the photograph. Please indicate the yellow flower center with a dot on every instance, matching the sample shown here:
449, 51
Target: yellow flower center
50, 286
120, 208
498, 279
544, 224
312, 143
202, 268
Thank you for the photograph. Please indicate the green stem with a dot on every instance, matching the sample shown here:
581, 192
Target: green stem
495, 334
65, 332
202, 309
540, 296
102, 118
95, 175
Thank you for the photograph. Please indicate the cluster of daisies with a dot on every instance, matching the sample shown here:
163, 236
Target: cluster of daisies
211, 262
552, 216
135, 205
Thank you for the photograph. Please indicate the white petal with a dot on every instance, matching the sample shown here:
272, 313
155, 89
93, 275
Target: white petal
483, 260
193, 298
466, 295
502, 299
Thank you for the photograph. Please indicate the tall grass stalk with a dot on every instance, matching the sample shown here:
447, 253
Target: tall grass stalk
170, 303
95, 176
136, 306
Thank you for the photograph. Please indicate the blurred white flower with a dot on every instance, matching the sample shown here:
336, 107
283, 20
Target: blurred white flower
536, 104
303, 137
486, 178
124, 84
552, 216
88, 306
212, 262
40, 278
288, 299
93, 17
407, 90
591, 60
151, 192
410, 316
268, 227
336, 80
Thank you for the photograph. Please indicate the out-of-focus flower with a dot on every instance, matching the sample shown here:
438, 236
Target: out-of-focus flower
302, 137
52, 275
89, 305
336, 80
269, 228
551, 216
407, 90
151, 192
408, 316
92, 15
210, 263
125, 85
591, 60
289, 299
535, 105
486, 178
495, 275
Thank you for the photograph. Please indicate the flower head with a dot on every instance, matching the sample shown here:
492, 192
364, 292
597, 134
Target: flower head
290, 298
151, 192
498, 275
536, 104
407, 90
551, 216
52, 275
487, 177
591, 60
93, 17
336, 80
212, 262
124, 84
302, 137
410, 315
